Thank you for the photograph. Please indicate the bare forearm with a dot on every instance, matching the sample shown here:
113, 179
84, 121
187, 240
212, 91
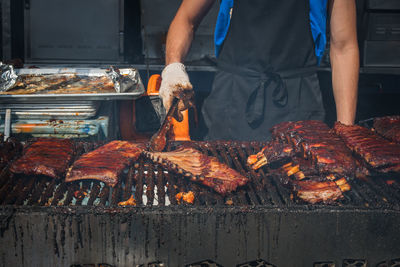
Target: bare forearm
344, 58
345, 72
179, 39
182, 28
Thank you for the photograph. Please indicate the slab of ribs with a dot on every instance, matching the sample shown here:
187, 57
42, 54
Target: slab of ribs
388, 127
105, 163
45, 156
309, 187
380, 154
200, 168
312, 140
323, 159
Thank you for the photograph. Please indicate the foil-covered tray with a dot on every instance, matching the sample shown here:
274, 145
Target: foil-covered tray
125, 84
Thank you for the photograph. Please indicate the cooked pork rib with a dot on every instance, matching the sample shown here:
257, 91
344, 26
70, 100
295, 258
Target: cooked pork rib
388, 127
105, 163
200, 168
310, 188
319, 160
380, 154
309, 139
46, 156
315, 191
274, 151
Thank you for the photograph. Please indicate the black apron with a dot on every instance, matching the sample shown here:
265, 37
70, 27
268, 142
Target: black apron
266, 71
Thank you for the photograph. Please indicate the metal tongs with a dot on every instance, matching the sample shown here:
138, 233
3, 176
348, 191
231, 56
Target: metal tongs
159, 139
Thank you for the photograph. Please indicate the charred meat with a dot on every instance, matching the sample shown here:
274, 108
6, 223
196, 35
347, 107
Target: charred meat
312, 140
388, 127
310, 188
379, 153
200, 168
274, 151
316, 191
105, 163
46, 156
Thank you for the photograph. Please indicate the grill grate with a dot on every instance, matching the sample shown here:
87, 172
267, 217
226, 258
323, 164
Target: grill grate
152, 185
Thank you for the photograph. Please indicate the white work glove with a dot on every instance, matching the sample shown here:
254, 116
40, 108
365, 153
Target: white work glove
175, 82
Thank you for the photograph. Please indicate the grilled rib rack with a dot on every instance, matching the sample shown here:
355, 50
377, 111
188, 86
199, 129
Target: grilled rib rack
83, 218
152, 185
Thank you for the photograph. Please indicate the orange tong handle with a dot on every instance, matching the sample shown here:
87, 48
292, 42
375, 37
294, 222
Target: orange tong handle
180, 129
153, 86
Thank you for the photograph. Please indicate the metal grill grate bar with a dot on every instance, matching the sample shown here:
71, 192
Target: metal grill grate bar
150, 185
104, 195
94, 193
139, 183
160, 186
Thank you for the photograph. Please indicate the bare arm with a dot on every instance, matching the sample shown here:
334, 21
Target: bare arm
182, 28
344, 56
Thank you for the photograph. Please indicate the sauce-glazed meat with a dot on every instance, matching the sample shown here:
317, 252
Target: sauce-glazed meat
379, 153
273, 151
105, 163
311, 140
45, 156
200, 168
388, 127
315, 191
309, 187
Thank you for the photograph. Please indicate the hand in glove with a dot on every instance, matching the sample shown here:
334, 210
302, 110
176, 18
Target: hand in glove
175, 83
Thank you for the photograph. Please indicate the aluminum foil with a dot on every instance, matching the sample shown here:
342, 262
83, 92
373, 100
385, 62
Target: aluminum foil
122, 82
8, 77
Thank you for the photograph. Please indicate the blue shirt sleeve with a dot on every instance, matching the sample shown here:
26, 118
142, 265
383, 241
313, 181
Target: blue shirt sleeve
222, 25
318, 14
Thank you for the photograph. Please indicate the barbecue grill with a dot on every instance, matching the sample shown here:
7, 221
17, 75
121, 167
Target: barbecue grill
50, 223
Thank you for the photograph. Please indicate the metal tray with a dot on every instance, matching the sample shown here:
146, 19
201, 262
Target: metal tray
82, 128
51, 111
52, 114
133, 93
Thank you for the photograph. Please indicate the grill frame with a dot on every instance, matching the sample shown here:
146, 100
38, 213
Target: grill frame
178, 235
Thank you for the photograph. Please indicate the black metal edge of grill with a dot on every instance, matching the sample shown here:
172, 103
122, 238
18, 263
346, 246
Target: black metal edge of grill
188, 209
138, 236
